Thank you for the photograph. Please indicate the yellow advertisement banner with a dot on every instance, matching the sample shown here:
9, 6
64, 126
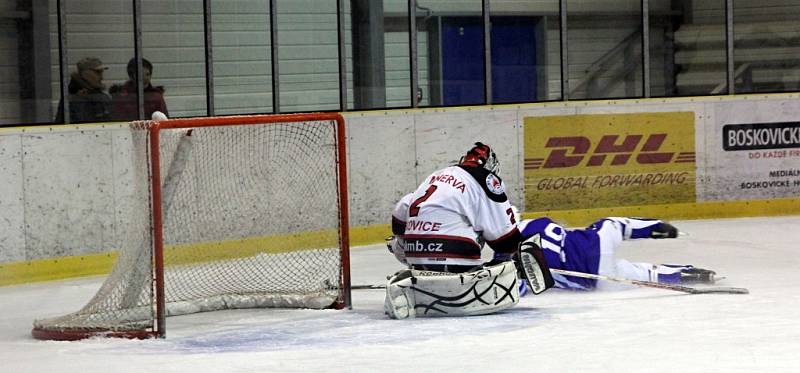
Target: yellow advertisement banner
604, 160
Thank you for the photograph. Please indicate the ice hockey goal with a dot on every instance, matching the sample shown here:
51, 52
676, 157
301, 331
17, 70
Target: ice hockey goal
227, 212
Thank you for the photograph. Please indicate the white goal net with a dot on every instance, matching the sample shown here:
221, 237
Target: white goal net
246, 212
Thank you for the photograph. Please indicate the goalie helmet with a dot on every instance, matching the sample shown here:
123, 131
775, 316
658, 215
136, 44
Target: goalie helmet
481, 155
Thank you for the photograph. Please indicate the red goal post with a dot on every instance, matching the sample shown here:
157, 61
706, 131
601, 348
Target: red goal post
226, 212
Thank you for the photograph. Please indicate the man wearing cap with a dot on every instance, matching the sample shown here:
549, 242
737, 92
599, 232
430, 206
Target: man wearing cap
88, 102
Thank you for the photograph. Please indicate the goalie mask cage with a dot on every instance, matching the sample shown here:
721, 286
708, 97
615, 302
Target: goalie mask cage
227, 212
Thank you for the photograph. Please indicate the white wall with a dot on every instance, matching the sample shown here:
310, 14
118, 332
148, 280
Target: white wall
12, 197
63, 190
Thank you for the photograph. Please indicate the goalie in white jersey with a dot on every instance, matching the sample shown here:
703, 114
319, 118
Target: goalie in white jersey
446, 221
439, 231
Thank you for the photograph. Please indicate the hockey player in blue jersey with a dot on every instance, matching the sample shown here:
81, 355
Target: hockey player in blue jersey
591, 250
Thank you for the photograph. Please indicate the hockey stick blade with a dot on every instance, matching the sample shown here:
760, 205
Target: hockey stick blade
657, 285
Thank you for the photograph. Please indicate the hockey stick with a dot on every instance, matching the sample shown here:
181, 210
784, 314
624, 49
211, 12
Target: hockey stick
658, 285
367, 287
649, 284
328, 285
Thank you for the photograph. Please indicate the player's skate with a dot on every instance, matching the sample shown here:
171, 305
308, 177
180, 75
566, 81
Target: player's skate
694, 275
664, 230
684, 274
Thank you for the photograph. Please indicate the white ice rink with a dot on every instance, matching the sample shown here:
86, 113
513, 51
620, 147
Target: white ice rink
636, 330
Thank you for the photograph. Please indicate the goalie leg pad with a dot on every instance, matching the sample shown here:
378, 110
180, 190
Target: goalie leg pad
399, 302
426, 293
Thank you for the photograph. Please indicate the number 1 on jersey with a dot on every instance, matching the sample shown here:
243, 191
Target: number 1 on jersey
413, 209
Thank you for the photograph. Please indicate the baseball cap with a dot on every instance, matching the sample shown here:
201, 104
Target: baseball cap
91, 63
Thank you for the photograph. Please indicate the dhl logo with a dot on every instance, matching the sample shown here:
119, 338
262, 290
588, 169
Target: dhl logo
572, 150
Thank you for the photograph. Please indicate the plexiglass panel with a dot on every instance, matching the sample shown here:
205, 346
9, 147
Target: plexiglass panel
687, 54
687, 48
99, 45
242, 60
173, 41
767, 46
457, 73
308, 55
380, 54
525, 51
605, 48
25, 75
662, 20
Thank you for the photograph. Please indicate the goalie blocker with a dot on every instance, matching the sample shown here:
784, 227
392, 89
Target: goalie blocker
532, 265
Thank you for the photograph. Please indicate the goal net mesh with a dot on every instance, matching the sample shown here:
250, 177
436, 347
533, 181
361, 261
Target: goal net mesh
250, 218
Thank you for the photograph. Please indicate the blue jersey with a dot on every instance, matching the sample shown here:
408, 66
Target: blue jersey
580, 250
572, 250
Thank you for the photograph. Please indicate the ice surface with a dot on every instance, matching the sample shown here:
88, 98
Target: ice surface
636, 330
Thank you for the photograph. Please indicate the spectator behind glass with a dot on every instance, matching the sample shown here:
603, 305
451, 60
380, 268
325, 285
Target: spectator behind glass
88, 101
125, 99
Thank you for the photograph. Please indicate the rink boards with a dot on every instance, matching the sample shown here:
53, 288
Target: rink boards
681, 158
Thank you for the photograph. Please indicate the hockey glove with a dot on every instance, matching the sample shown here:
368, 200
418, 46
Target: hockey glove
395, 245
532, 266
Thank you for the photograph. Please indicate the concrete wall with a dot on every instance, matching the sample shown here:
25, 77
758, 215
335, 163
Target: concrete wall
64, 190
12, 211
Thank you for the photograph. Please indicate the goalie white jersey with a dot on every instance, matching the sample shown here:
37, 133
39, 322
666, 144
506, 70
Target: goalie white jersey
447, 219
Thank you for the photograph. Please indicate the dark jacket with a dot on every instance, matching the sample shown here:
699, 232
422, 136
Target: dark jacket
125, 102
86, 103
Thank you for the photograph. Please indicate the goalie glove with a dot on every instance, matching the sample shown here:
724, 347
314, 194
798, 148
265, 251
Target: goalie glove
396, 246
532, 267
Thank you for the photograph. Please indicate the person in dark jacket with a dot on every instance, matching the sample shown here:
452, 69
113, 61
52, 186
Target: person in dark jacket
124, 96
88, 101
